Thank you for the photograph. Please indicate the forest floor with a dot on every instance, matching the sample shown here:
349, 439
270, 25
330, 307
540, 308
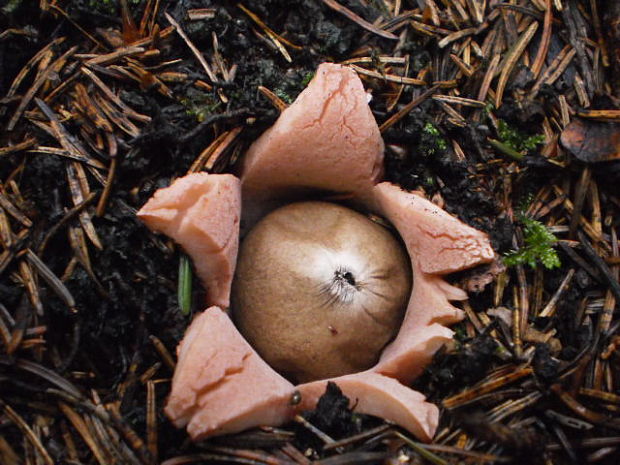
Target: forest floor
505, 111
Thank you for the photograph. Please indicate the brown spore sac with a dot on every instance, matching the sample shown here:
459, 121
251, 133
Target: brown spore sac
320, 290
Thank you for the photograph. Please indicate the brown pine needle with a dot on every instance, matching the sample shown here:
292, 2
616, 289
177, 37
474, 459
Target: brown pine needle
543, 48
28, 432
485, 387
389, 77
512, 58
192, 47
273, 98
392, 120
80, 425
334, 5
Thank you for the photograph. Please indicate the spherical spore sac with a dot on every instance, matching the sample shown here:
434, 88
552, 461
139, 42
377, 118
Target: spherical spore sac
319, 290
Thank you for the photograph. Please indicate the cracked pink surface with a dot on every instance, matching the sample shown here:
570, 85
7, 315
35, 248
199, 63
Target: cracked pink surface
220, 384
437, 244
382, 396
326, 142
442, 243
201, 212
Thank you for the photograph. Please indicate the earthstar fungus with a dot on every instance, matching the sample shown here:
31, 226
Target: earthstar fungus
327, 142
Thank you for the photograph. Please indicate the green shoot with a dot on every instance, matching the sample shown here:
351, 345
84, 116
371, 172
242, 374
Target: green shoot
538, 247
505, 149
184, 289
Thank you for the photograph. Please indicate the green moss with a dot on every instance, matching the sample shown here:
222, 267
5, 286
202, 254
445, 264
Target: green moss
306, 80
539, 242
200, 105
516, 140
525, 201
432, 141
283, 95
430, 128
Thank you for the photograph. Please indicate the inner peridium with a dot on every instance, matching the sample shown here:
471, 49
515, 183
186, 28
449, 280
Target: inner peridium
320, 289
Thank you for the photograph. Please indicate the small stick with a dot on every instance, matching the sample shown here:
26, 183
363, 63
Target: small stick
204, 156
407, 108
80, 425
609, 304
516, 325
582, 411
114, 98
604, 115
272, 35
195, 132
467, 102
192, 47
513, 406
24, 145
74, 172
334, 5
230, 137
320, 434
14, 211
488, 77
31, 286
357, 437
107, 58
457, 36
555, 69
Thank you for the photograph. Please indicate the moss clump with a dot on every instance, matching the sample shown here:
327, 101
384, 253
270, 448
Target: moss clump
200, 105
432, 141
517, 140
538, 247
306, 80
283, 95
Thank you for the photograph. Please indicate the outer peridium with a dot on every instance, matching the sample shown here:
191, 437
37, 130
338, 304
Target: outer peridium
326, 141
